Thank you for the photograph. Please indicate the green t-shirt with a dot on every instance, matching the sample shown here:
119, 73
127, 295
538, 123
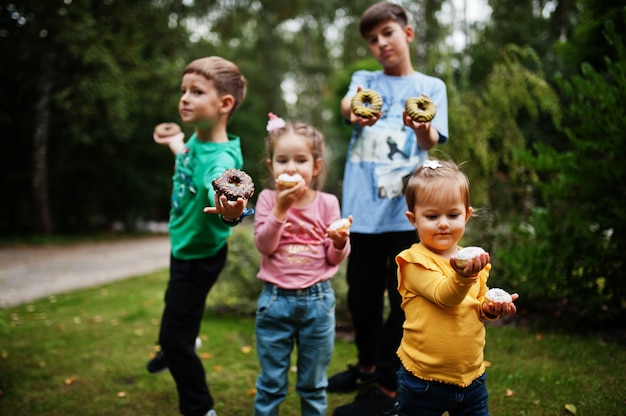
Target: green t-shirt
193, 233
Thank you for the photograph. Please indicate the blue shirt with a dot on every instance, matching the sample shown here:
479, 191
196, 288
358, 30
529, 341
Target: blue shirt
382, 157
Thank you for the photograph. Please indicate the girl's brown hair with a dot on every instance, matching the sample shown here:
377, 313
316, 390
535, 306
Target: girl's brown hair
427, 184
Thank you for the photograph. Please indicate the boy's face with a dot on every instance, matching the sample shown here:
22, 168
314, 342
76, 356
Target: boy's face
389, 43
199, 103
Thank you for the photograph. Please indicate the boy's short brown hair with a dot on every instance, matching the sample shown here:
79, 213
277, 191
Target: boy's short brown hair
225, 75
382, 12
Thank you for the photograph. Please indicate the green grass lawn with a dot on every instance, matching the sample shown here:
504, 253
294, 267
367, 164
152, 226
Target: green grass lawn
84, 353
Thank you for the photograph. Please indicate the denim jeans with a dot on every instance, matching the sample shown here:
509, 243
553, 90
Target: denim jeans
431, 398
286, 318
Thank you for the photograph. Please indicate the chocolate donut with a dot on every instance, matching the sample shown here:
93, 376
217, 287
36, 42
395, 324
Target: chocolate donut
234, 184
366, 103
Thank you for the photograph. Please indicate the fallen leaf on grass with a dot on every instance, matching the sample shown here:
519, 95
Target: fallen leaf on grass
217, 368
70, 380
121, 394
508, 393
246, 349
539, 337
570, 408
251, 392
205, 355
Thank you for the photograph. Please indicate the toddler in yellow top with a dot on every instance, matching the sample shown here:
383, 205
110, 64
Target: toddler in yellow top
443, 334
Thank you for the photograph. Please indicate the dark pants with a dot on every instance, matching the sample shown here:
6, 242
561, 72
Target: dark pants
430, 398
371, 272
185, 299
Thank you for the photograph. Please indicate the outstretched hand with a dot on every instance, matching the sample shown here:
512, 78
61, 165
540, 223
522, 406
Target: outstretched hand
473, 266
364, 121
501, 308
230, 210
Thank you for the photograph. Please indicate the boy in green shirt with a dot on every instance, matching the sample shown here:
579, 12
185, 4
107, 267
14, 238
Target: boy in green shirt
212, 88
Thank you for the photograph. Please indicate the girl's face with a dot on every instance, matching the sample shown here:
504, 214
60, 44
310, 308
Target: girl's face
200, 103
440, 222
292, 154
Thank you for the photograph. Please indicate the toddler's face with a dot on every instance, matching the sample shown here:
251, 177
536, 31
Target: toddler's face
199, 102
440, 222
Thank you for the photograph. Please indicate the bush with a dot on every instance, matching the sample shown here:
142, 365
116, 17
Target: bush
570, 250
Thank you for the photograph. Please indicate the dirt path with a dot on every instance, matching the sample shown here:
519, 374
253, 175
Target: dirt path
32, 272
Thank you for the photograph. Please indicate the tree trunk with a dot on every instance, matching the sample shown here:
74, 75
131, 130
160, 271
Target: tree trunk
40, 148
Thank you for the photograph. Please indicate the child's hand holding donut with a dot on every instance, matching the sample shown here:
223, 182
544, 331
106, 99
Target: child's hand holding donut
286, 196
471, 265
372, 116
501, 307
339, 231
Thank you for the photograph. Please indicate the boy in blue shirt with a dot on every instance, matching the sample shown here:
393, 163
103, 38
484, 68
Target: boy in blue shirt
384, 150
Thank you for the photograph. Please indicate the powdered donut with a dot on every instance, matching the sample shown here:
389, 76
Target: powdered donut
289, 181
342, 224
498, 295
234, 183
166, 131
465, 254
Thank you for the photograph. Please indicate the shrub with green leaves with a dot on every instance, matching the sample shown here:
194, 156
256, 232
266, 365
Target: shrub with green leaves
570, 249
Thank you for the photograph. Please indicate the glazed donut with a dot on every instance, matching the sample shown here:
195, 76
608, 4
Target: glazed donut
366, 103
421, 108
289, 181
462, 256
234, 184
498, 295
165, 131
342, 224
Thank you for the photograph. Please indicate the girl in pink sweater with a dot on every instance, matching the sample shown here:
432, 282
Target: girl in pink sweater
300, 254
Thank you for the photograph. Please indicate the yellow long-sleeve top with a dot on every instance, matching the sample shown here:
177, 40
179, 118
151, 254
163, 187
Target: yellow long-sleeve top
444, 334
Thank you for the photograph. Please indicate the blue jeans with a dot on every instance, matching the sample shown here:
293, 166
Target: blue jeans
284, 318
431, 398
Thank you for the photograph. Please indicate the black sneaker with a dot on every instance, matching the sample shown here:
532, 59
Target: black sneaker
370, 402
158, 364
349, 380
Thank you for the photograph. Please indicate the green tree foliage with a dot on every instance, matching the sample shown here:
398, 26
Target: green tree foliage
485, 125
85, 80
570, 251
